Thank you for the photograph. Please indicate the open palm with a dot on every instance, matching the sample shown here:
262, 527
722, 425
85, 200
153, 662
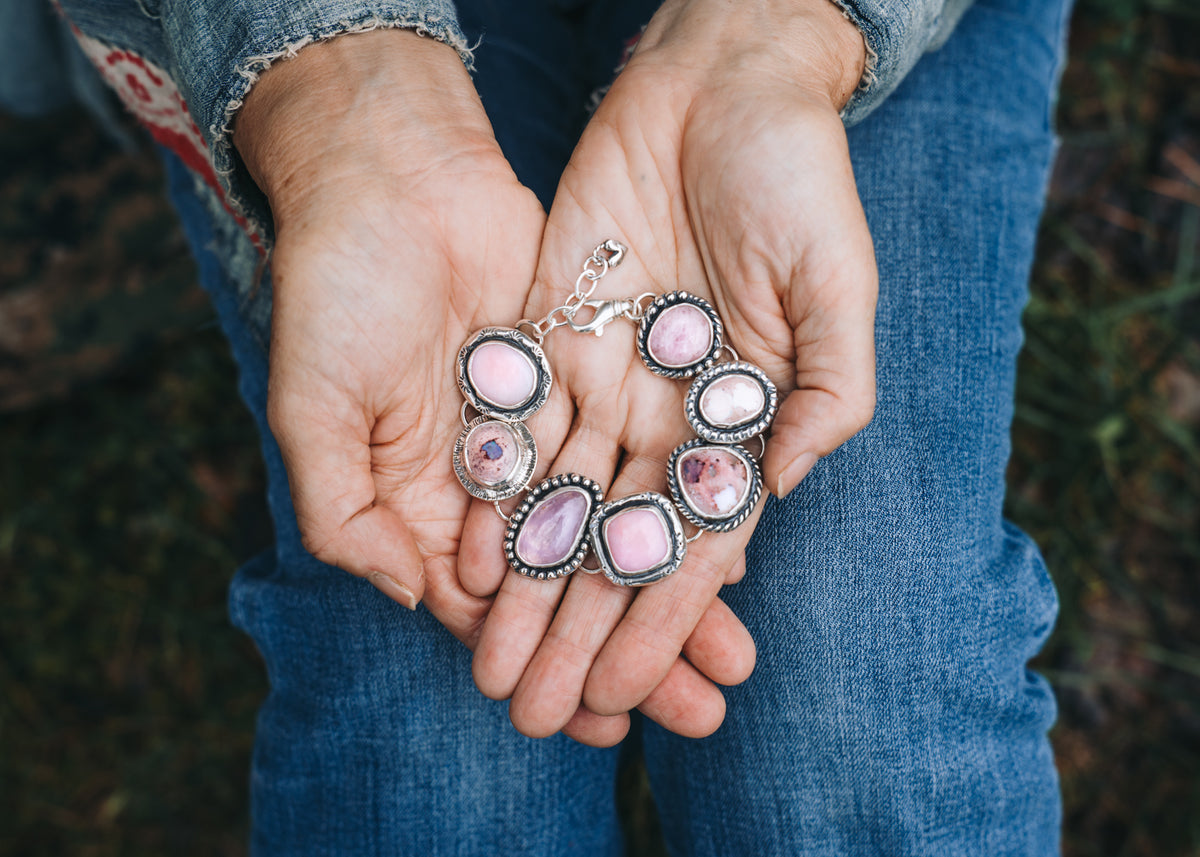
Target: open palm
732, 182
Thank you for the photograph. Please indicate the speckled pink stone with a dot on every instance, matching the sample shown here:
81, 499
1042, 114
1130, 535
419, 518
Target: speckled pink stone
732, 400
637, 539
491, 453
680, 336
714, 481
502, 374
553, 527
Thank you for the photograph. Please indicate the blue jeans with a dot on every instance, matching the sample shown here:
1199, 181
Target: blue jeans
894, 610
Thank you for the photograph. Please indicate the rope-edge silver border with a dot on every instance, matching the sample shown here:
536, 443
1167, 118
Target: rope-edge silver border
509, 487
518, 518
650, 575
739, 516
541, 366
715, 434
658, 306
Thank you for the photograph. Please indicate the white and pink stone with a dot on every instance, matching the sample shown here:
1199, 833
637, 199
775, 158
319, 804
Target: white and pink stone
680, 336
553, 528
491, 453
502, 374
714, 481
732, 400
637, 539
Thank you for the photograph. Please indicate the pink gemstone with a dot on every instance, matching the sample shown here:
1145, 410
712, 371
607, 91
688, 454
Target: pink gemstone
732, 400
714, 481
551, 532
680, 336
491, 453
637, 539
502, 374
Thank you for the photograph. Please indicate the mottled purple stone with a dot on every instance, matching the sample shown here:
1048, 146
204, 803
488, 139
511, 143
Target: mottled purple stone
491, 453
733, 400
680, 336
553, 527
714, 481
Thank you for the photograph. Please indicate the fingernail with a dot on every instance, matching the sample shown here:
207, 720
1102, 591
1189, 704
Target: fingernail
794, 473
393, 589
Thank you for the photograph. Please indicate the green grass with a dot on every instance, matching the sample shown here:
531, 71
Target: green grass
128, 700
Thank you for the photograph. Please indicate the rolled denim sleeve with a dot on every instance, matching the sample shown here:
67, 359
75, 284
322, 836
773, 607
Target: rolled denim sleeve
220, 47
184, 67
897, 33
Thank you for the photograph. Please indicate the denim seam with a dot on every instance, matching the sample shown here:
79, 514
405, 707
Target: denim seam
225, 159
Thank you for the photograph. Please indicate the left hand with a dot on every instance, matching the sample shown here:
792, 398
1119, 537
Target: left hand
719, 158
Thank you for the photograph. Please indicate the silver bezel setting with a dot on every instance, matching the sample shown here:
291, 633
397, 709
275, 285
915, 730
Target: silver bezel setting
541, 368
516, 483
660, 305
517, 521
717, 523
735, 434
674, 530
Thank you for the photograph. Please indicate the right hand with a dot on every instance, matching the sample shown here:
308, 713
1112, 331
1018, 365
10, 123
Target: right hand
718, 154
401, 229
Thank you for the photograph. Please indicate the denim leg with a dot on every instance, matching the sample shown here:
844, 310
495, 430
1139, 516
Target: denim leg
373, 739
536, 66
894, 610
529, 73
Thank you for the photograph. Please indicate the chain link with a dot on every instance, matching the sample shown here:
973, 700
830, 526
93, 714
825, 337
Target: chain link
638, 310
603, 259
560, 316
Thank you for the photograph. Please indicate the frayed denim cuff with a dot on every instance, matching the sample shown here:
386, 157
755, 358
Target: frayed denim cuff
220, 48
897, 33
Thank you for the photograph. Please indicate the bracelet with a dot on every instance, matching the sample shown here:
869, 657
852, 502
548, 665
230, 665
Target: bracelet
714, 480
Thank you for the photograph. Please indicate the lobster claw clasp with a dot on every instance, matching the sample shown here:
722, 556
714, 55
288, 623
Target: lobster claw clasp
603, 312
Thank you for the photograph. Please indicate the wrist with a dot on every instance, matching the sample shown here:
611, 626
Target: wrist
838, 51
808, 44
363, 106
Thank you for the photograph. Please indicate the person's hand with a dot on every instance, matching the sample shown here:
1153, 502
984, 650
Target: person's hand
719, 158
401, 229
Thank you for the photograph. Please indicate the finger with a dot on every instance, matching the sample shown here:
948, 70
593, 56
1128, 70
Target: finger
720, 647
333, 491
520, 615
482, 566
461, 613
810, 424
685, 702
736, 571
481, 562
832, 313
595, 730
564, 664
551, 687
524, 607
642, 648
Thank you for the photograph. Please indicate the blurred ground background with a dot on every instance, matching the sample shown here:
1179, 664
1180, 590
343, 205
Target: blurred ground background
130, 485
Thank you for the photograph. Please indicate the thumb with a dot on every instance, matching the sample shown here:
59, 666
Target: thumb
333, 491
835, 375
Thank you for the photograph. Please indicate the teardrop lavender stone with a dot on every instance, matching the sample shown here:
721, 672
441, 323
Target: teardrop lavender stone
552, 530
